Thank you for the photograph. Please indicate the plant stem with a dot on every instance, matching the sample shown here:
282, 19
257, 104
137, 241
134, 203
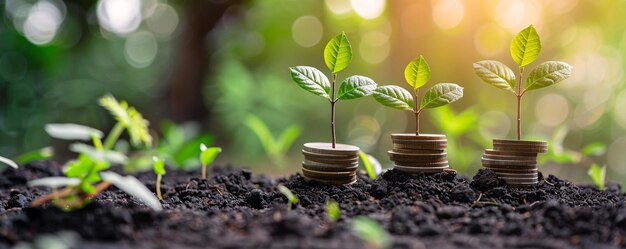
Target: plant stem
158, 187
519, 94
203, 171
417, 112
113, 136
333, 101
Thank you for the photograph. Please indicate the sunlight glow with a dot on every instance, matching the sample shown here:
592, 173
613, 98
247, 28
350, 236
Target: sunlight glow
515, 15
140, 49
368, 9
552, 109
338, 7
307, 31
448, 14
119, 16
374, 47
42, 23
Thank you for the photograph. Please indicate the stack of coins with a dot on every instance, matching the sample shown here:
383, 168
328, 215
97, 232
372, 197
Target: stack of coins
515, 161
424, 153
327, 165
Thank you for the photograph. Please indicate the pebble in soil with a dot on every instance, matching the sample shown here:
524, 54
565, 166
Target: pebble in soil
234, 209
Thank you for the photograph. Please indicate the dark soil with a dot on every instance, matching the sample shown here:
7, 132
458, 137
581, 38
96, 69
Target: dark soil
234, 209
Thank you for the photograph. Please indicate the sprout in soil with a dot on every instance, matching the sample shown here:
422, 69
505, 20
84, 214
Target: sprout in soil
332, 210
371, 232
84, 177
598, 175
337, 55
207, 156
525, 48
275, 147
159, 169
9, 162
372, 166
417, 73
292, 199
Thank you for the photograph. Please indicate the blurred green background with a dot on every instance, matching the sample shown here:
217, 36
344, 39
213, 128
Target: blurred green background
219, 70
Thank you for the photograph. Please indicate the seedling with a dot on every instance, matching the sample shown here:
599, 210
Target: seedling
85, 177
179, 144
39, 154
8, 162
525, 48
275, 147
159, 169
372, 166
598, 175
417, 74
292, 199
332, 210
207, 156
337, 55
370, 232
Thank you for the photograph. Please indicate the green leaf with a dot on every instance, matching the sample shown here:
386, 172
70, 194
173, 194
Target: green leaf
526, 46
495, 73
291, 197
332, 210
338, 53
133, 187
208, 155
370, 165
547, 74
417, 72
394, 97
355, 87
130, 119
261, 130
8, 162
598, 175
158, 166
54, 182
98, 155
72, 131
371, 232
40, 154
286, 138
312, 80
441, 94
594, 149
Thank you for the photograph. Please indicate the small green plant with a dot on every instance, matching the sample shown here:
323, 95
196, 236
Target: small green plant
207, 156
525, 48
159, 169
370, 231
417, 74
332, 210
179, 145
372, 166
598, 175
337, 55
39, 154
85, 176
292, 199
275, 148
8, 162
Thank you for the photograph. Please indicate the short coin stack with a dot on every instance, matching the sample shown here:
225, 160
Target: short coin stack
424, 153
515, 161
331, 166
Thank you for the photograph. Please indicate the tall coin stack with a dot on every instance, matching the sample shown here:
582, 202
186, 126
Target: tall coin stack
331, 166
424, 153
515, 161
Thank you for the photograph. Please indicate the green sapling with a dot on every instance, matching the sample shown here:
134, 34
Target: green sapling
159, 169
598, 175
207, 156
292, 199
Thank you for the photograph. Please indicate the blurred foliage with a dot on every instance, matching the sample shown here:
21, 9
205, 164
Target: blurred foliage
256, 41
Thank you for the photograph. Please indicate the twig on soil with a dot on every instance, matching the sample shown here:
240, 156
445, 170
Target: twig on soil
217, 188
477, 201
549, 183
67, 192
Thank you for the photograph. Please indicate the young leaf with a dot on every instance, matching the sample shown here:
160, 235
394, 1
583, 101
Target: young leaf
158, 166
54, 182
332, 210
133, 187
372, 166
598, 175
497, 74
371, 232
547, 74
441, 94
208, 155
526, 46
312, 80
417, 72
291, 197
72, 131
355, 87
594, 149
338, 53
96, 155
286, 138
394, 97
40, 154
8, 162
130, 119
261, 130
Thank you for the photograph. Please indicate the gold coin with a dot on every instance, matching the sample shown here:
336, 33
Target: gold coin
419, 152
327, 168
420, 170
318, 155
422, 165
412, 136
512, 170
506, 157
397, 146
339, 165
331, 182
331, 160
521, 175
326, 148
510, 153
533, 143
328, 175
508, 162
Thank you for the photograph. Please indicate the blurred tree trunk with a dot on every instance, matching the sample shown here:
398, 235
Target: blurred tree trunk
186, 83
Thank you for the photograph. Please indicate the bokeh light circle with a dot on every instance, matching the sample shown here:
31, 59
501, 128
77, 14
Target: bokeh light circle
307, 31
448, 14
552, 109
